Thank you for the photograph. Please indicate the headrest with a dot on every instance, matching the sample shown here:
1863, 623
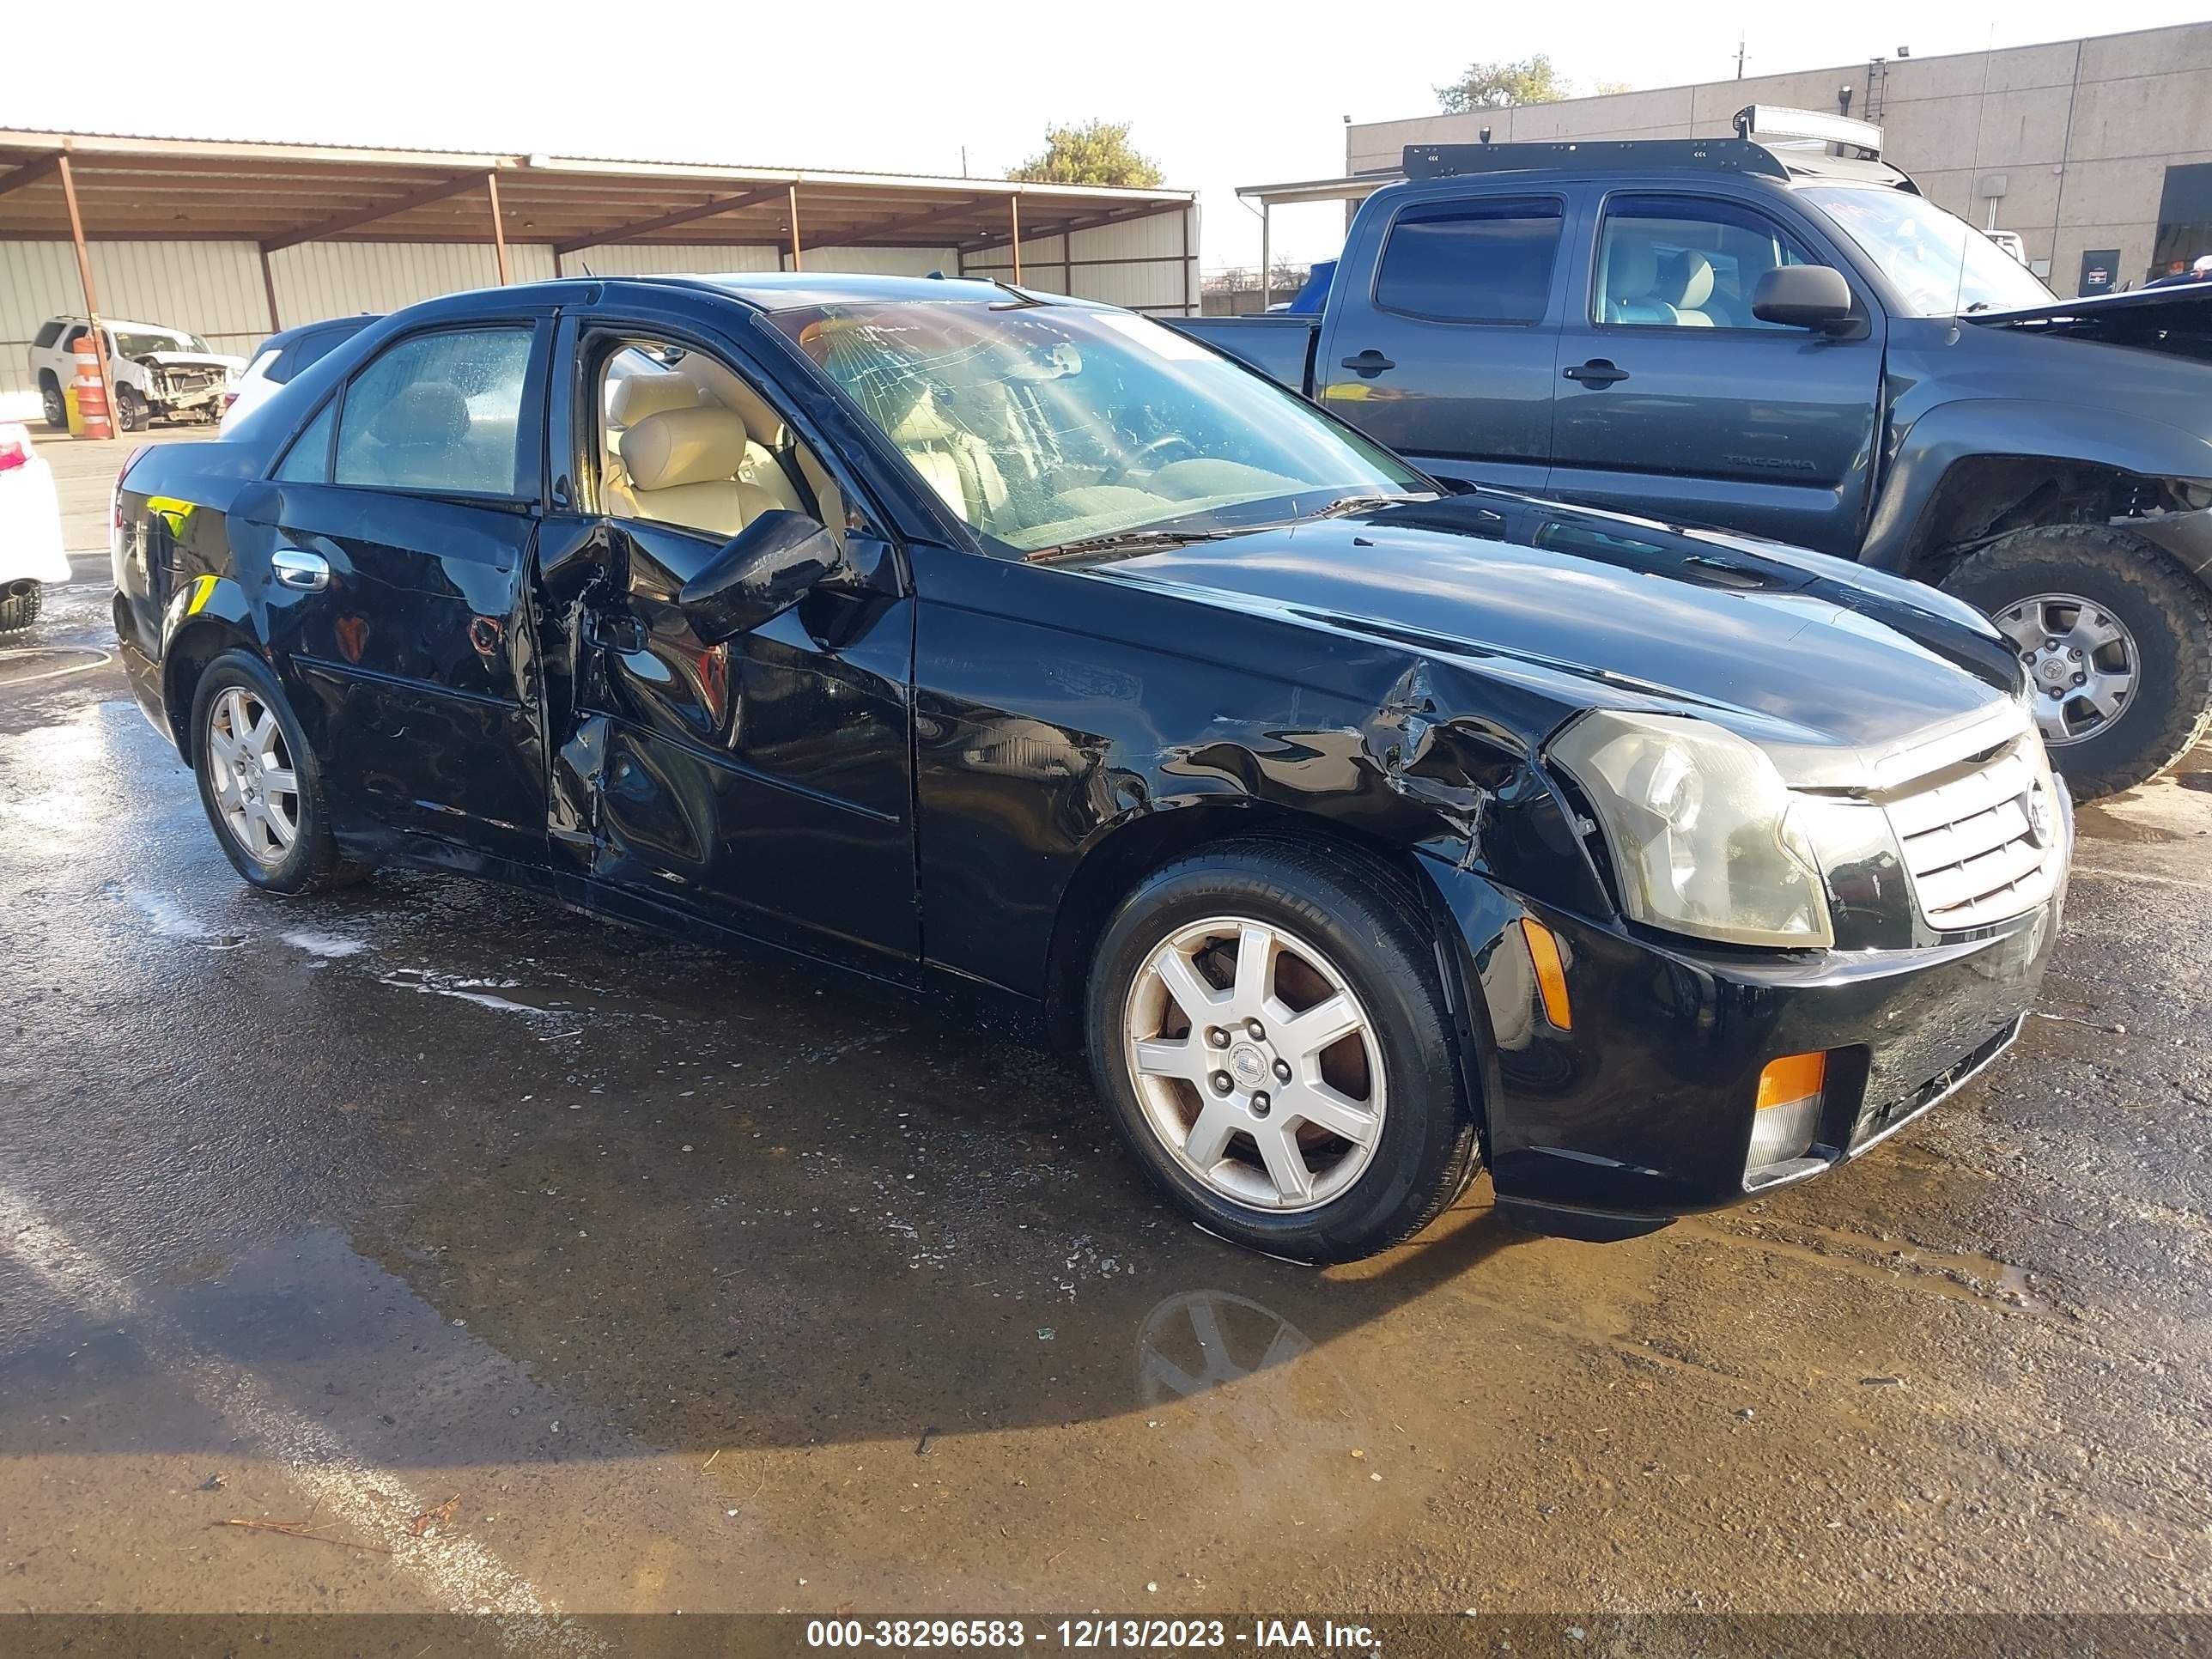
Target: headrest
701, 445
427, 412
1688, 281
636, 397
922, 423
1635, 269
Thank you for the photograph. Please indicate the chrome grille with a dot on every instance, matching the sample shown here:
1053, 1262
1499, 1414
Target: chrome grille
1970, 845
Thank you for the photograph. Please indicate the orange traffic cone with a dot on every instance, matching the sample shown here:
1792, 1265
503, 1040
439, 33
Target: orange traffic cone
91, 389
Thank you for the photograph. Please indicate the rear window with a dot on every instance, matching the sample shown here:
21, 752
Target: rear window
309, 349
1471, 262
50, 333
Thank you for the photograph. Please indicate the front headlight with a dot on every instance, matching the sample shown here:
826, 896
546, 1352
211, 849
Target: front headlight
1700, 827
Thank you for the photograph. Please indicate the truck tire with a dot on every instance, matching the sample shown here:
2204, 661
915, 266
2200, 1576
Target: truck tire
2117, 638
50, 398
19, 606
1311, 1105
130, 409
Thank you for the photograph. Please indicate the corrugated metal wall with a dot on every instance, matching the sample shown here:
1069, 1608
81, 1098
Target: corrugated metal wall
215, 290
210, 289
672, 258
332, 279
1146, 265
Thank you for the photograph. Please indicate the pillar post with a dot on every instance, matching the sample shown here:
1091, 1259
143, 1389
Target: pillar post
91, 296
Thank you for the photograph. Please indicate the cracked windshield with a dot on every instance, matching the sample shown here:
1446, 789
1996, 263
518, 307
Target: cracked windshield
1047, 426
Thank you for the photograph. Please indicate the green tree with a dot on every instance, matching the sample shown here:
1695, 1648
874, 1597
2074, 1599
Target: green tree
1095, 152
1501, 86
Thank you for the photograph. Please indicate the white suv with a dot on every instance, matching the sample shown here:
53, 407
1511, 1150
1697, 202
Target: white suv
158, 371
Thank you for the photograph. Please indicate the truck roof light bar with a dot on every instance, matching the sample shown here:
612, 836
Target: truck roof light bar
1614, 154
1763, 124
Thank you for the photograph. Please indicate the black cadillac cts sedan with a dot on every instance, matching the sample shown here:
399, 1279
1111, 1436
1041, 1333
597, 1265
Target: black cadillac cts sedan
1362, 833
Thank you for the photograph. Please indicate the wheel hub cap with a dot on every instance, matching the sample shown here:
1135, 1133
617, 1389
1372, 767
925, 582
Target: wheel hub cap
1248, 1065
250, 766
2081, 662
1256, 1065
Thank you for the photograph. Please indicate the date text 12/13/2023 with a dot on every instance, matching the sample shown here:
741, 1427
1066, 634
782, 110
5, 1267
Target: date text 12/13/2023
1322, 1635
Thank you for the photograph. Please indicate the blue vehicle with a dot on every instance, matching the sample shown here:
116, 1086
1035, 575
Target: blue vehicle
1765, 335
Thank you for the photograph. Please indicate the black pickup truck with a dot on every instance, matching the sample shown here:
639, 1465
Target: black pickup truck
1785, 338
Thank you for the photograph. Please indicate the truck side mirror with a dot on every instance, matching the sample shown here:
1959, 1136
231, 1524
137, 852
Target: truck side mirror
759, 574
1803, 296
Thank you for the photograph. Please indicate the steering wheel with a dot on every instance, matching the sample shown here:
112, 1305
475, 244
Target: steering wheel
1145, 454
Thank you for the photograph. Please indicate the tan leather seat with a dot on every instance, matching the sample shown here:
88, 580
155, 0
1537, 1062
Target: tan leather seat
953, 461
1632, 273
1685, 283
638, 397
681, 469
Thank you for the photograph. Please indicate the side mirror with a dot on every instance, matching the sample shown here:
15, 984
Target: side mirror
1803, 296
760, 573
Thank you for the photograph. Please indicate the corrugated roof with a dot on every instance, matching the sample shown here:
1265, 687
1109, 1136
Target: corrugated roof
280, 194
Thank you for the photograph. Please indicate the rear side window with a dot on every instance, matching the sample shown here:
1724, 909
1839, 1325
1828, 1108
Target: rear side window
309, 460
48, 334
1471, 262
439, 412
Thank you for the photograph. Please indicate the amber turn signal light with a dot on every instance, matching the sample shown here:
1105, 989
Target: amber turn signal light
1551, 974
1792, 1078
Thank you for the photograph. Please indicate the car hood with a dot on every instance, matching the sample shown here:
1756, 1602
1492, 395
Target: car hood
1833, 670
193, 359
2171, 322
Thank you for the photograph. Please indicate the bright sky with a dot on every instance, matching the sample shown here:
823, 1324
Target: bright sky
1222, 95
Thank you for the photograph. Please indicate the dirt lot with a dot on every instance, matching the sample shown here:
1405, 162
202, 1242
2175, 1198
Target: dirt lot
585, 1272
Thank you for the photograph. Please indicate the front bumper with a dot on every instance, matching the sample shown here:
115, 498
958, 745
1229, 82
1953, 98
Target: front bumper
1642, 1110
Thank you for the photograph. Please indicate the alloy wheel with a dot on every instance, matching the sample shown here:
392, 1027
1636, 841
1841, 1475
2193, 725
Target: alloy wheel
2081, 662
1256, 1064
256, 788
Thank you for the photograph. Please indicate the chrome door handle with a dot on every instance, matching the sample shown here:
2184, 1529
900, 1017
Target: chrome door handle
297, 567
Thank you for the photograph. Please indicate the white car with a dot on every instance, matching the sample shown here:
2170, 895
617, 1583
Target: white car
281, 356
30, 530
158, 371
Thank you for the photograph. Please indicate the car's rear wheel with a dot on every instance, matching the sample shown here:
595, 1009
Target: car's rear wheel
19, 606
54, 405
260, 782
2117, 641
1264, 1025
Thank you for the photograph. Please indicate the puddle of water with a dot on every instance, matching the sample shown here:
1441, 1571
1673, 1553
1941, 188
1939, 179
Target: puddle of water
332, 947
469, 990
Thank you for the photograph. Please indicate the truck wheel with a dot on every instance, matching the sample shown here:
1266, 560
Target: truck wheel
1265, 1026
19, 606
2116, 640
130, 409
57, 407
260, 783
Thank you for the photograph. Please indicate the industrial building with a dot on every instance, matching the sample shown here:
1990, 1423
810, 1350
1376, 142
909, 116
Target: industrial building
2098, 152
231, 241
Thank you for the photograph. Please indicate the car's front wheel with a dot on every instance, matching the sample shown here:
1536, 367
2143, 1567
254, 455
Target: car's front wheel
130, 409
1264, 1025
260, 782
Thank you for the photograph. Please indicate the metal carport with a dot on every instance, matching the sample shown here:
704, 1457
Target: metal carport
167, 229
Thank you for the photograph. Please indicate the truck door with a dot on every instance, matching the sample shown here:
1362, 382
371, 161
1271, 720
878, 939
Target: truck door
1676, 402
1448, 349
